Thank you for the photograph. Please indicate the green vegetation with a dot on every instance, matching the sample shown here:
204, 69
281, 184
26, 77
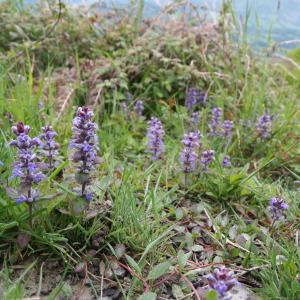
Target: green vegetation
148, 232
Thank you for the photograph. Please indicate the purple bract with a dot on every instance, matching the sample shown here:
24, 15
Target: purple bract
264, 126
226, 163
206, 158
222, 280
277, 207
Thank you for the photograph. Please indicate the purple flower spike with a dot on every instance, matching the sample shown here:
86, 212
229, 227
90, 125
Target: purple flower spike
227, 128
155, 136
188, 156
195, 118
222, 281
26, 168
188, 160
206, 158
48, 145
264, 126
277, 207
215, 122
85, 144
194, 97
226, 162
139, 107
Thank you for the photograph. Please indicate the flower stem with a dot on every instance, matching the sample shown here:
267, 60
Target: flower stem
30, 209
83, 189
30, 215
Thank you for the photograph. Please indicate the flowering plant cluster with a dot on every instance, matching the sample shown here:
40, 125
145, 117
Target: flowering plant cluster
217, 128
29, 166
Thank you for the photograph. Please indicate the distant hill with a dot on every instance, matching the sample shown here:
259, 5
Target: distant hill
266, 16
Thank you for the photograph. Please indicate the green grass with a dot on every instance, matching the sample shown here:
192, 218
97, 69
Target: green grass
144, 205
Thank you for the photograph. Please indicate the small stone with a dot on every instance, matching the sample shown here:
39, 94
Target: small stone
120, 250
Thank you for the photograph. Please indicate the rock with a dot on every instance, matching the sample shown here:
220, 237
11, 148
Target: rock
81, 293
242, 292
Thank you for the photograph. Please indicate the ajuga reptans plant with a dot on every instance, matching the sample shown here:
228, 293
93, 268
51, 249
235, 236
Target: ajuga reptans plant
207, 158
155, 136
215, 122
264, 126
193, 97
195, 119
26, 167
139, 107
48, 145
188, 156
277, 208
227, 128
226, 163
84, 142
222, 281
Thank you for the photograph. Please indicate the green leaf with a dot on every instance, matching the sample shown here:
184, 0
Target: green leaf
57, 170
148, 296
133, 264
6, 226
159, 270
179, 213
211, 295
182, 258
196, 248
55, 202
177, 291
153, 243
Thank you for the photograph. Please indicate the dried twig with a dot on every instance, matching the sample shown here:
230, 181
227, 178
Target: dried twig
192, 286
